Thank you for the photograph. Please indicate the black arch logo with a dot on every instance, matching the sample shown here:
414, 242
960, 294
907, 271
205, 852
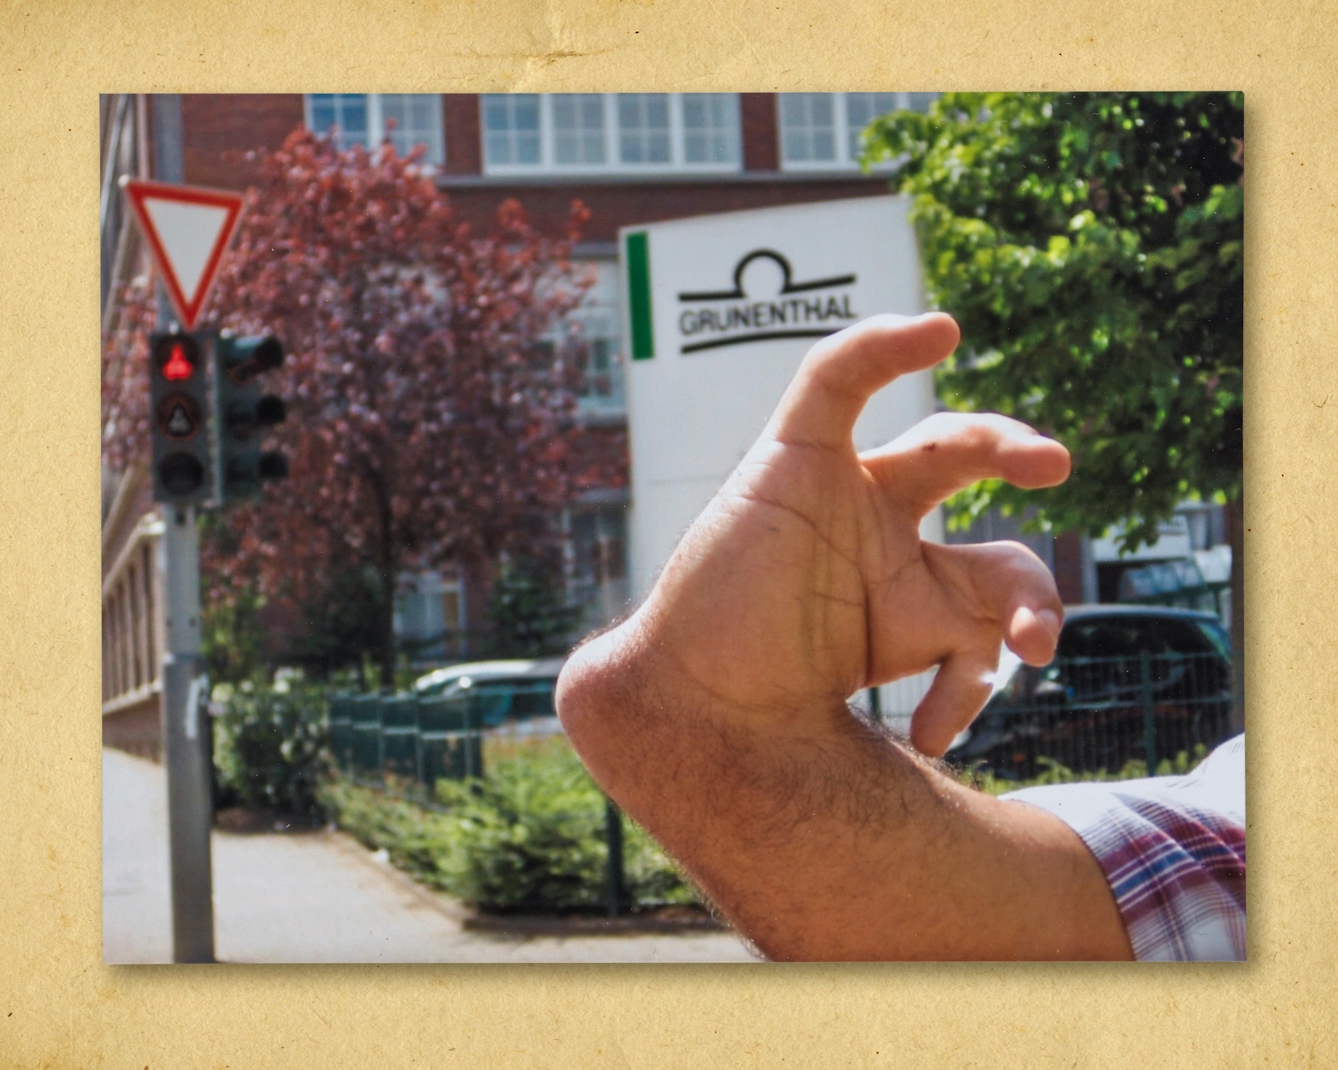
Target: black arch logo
790, 286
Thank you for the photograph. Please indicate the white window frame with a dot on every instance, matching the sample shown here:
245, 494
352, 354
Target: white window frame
844, 161
376, 125
613, 163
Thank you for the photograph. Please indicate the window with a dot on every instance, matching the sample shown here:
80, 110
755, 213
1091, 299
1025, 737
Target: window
511, 129
710, 128
578, 129
824, 130
429, 615
610, 132
861, 110
808, 127
598, 320
597, 548
596, 324
367, 119
643, 128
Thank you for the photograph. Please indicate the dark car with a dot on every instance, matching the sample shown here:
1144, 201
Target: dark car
516, 695
1127, 682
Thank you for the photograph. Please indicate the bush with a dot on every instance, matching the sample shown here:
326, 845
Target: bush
527, 837
271, 744
1054, 773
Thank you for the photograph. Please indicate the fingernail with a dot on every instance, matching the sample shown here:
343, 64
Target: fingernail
1050, 619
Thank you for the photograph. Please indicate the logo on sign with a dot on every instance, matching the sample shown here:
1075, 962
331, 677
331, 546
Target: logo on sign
766, 303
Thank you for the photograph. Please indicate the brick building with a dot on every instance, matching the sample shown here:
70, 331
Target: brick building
631, 158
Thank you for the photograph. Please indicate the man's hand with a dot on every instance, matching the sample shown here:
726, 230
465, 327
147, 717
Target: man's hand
806, 580
716, 714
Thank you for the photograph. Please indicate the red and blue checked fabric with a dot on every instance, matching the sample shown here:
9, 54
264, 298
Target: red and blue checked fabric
1178, 875
1173, 850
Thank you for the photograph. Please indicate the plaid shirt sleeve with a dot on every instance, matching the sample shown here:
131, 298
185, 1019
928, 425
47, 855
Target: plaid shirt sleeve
1173, 850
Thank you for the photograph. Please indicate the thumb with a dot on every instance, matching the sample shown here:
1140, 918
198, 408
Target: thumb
843, 371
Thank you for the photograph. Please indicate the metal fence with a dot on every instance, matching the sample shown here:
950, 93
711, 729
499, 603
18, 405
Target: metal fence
411, 738
428, 739
1090, 714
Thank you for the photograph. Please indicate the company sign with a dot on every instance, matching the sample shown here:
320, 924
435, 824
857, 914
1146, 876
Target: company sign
718, 313
740, 316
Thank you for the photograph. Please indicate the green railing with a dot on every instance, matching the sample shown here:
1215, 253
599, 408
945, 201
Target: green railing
377, 739
1102, 713
426, 739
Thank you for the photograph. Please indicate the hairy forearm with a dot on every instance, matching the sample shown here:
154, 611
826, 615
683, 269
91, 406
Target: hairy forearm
813, 832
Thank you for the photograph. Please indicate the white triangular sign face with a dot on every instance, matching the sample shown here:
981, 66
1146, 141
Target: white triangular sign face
188, 229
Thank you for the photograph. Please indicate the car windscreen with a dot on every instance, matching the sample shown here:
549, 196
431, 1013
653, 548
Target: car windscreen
499, 701
1111, 637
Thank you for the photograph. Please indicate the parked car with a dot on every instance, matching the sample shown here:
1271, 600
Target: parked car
515, 695
1124, 677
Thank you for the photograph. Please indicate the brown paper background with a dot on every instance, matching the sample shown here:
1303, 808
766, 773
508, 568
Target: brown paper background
60, 1007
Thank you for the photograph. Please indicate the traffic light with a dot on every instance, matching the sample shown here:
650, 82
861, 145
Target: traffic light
178, 394
242, 415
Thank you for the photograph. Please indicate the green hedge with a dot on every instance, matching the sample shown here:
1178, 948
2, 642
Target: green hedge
527, 837
271, 744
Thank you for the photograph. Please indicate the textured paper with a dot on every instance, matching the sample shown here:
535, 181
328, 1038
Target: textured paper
59, 1007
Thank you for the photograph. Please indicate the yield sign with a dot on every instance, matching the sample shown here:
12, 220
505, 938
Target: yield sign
188, 229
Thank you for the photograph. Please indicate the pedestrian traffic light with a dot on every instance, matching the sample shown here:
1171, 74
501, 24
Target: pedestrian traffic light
242, 415
180, 436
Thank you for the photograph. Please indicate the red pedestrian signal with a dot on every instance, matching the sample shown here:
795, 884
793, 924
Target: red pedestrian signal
178, 366
181, 468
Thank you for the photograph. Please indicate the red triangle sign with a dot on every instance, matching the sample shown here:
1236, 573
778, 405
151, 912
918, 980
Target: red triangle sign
188, 229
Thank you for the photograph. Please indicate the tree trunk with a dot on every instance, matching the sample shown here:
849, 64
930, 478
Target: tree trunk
386, 628
1235, 518
387, 569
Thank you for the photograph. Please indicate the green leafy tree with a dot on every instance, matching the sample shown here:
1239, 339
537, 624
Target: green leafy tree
1090, 247
529, 609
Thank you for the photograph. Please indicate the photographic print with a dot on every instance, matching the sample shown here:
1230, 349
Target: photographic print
672, 527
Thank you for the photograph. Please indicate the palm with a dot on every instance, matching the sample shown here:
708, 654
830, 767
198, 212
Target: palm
808, 566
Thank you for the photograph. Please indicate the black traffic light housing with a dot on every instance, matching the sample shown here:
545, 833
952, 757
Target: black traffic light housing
178, 395
242, 415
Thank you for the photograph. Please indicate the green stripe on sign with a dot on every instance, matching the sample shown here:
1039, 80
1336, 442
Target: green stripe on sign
638, 295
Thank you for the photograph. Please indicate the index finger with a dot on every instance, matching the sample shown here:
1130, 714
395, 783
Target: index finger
949, 451
841, 373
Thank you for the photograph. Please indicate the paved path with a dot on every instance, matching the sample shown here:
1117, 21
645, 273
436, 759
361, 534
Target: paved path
314, 897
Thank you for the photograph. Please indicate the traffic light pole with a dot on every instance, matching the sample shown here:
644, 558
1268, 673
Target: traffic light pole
187, 751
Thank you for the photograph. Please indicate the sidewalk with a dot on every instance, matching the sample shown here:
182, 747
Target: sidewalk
315, 897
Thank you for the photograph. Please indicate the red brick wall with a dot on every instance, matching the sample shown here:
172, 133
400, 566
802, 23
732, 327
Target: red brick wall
761, 138
464, 147
1068, 567
614, 205
219, 128
137, 730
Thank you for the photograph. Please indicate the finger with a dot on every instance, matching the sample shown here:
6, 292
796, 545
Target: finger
1011, 585
842, 372
960, 690
949, 451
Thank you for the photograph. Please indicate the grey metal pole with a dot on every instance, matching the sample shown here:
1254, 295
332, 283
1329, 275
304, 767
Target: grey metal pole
186, 725
186, 748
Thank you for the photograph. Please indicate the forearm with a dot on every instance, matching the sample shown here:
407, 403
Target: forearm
815, 834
